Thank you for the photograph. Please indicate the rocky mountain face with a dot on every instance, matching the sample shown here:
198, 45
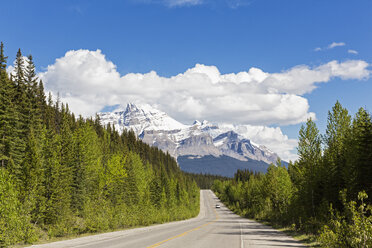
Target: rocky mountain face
194, 141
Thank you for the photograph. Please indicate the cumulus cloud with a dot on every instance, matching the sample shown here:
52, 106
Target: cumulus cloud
352, 51
303, 79
271, 137
89, 82
11, 68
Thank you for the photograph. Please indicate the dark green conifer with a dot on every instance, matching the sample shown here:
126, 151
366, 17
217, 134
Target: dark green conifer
3, 58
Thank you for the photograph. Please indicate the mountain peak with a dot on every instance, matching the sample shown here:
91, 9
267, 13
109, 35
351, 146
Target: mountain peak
196, 122
140, 117
131, 107
201, 138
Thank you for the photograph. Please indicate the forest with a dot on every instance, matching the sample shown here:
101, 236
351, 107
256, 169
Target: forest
326, 192
65, 175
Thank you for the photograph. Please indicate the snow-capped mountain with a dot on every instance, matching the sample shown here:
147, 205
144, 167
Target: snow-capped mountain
139, 119
197, 140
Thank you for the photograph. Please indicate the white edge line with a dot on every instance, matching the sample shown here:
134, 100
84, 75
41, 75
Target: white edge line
241, 236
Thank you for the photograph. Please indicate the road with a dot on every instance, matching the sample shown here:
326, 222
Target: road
213, 227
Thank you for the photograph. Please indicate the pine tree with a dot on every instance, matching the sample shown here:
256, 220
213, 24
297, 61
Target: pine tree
57, 183
3, 58
19, 79
309, 151
360, 154
22, 103
41, 102
31, 85
33, 180
30, 74
338, 128
11, 146
5, 105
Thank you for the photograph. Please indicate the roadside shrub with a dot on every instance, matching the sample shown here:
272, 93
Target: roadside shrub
353, 228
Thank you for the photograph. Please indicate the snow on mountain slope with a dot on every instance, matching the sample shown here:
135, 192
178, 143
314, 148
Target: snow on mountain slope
140, 118
199, 139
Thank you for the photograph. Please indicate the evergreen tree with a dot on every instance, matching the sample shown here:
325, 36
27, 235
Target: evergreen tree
360, 154
309, 152
19, 78
31, 85
60, 175
3, 58
10, 216
11, 147
30, 74
33, 180
338, 128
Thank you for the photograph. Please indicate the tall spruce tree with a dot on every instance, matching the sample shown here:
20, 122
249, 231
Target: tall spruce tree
19, 72
309, 151
5, 104
3, 58
338, 128
11, 146
360, 154
31, 85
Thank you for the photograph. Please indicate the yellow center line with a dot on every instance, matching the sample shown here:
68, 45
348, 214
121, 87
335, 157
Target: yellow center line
187, 232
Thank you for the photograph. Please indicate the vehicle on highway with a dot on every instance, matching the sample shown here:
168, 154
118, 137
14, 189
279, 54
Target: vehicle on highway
218, 206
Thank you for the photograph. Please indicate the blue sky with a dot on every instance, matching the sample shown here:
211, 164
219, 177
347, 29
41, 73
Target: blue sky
172, 36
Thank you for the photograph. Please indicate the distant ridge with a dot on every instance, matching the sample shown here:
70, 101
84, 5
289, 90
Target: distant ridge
223, 166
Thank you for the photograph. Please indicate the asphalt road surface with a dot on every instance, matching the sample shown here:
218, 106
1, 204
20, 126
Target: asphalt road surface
214, 227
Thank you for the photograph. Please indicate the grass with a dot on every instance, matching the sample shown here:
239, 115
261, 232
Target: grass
308, 239
45, 239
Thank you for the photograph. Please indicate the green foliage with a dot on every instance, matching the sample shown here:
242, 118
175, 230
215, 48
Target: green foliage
338, 129
309, 167
205, 181
278, 188
10, 218
60, 175
353, 228
307, 196
14, 222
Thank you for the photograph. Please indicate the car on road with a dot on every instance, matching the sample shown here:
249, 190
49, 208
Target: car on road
218, 205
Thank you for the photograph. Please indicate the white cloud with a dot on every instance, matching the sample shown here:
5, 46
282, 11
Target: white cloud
181, 3
330, 46
303, 79
11, 68
171, 3
88, 82
176, 3
238, 3
352, 51
271, 137
336, 44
